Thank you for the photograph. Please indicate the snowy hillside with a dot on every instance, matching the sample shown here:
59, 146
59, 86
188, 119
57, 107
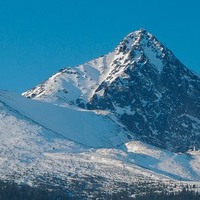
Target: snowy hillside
73, 85
90, 128
30, 151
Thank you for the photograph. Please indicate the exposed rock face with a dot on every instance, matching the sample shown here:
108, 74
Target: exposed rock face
152, 93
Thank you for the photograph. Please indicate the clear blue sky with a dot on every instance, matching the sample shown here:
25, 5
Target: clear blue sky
39, 37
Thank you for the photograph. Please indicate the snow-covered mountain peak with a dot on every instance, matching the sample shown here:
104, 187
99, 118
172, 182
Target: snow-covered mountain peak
133, 38
137, 79
77, 85
141, 38
141, 47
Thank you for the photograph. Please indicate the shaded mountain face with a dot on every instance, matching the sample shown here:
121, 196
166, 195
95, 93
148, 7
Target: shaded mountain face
151, 92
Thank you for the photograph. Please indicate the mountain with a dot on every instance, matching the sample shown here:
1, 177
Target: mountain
142, 84
121, 124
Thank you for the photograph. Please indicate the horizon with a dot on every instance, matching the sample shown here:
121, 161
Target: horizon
39, 38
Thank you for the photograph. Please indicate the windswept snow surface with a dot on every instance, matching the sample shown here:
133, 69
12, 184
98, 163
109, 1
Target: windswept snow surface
90, 128
175, 165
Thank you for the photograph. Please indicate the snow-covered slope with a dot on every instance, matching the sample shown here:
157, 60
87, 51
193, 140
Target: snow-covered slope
29, 147
91, 128
73, 85
30, 152
175, 165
